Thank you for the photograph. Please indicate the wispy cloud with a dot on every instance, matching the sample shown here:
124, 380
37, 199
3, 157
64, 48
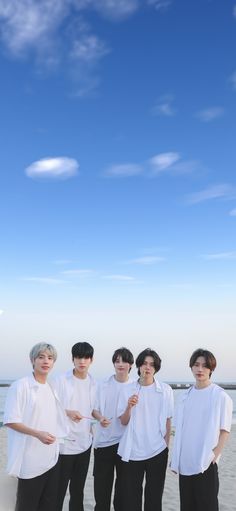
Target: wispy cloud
164, 107
77, 272
89, 48
221, 256
44, 280
163, 161
56, 34
232, 212
220, 191
160, 5
233, 80
210, 114
1, 312
56, 168
146, 260
124, 170
115, 9
118, 277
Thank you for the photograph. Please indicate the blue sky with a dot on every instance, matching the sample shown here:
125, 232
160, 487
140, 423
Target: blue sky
117, 179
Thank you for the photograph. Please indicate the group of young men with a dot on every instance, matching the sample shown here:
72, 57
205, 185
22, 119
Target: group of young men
51, 432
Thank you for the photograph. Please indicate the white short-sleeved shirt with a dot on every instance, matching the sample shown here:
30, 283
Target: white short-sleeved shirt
77, 394
35, 405
201, 414
143, 437
109, 392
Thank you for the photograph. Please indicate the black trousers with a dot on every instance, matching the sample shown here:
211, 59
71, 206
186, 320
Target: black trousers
38, 493
200, 492
106, 461
73, 470
154, 470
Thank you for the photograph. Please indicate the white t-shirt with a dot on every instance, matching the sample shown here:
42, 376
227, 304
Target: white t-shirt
147, 440
38, 457
80, 434
196, 423
112, 434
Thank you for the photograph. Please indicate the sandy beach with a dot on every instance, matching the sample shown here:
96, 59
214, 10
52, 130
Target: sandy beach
227, 470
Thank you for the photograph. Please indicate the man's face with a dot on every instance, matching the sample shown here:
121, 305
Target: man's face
43, 363
200, 371
147, 369
82, 366
121, 367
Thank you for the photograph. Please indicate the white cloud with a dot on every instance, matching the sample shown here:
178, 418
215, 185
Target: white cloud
56, 168
147, 260
118, 277
1, 312
89, 49
77, 273
44, 280
233, 80
163, 161
164, 106
124, 170
29, 23
221, 191
233, 212
160, 5
116, 9
222, 256
210, 114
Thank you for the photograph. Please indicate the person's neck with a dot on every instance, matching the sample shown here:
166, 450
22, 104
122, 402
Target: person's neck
145, 381
121, 378
80, 376
40, 378
202, 385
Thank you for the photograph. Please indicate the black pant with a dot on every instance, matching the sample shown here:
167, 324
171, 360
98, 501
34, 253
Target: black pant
106, 460
73, 470
38, 493
200, 492
154, 470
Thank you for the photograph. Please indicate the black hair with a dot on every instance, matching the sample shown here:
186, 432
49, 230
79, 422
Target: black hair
125, 354
148, 352
82, 350
207, 355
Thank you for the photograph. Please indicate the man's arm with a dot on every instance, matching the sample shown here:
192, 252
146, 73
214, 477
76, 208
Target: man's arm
99, 417
219, 447
168, 431
125, 417
43, 436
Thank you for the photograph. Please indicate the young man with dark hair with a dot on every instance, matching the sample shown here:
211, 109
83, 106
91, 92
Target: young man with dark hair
35, 421
145, 408
203, 421
108, 434
76, 390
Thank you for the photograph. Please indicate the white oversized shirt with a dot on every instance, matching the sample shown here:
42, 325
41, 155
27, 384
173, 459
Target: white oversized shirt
144, 434
27, 456
76, 394
200, 416
106, 403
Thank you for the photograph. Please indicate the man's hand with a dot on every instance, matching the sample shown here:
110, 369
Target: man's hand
45, 437
105, 422
74, 415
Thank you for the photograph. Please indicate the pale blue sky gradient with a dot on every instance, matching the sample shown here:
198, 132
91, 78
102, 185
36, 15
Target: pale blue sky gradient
117, 180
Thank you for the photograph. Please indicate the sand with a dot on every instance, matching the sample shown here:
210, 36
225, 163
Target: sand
227, 471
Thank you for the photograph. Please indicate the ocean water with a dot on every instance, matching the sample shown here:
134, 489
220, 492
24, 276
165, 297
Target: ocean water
3, 393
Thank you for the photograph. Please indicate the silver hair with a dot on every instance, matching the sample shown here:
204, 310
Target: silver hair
41, 347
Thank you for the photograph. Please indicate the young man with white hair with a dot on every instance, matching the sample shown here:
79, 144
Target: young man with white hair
35, 421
